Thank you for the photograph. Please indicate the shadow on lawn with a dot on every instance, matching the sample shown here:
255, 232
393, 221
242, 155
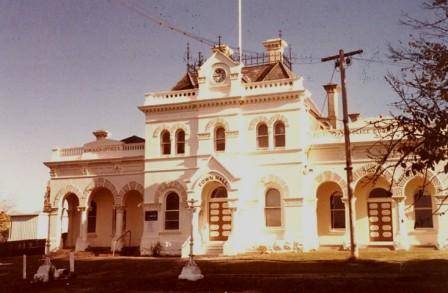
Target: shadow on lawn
134, 274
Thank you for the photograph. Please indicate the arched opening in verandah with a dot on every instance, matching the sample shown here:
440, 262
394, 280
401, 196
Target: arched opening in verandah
132, 218
70, 220
331, 214
100, 218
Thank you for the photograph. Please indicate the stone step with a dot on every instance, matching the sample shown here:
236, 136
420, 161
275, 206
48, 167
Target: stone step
215, 248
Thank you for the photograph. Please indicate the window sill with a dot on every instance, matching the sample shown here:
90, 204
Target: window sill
170, 232
282, 148
337, 231
275, 229
417, 231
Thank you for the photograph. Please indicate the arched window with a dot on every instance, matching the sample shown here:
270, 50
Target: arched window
379, 192
422, 210
220, 139
337, 209
220, 192
172, 211
165, 143
273, 209
279, 134
262, 135
91, 218
180, 142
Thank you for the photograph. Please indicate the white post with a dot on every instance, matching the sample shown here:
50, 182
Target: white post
72, 262
24, 267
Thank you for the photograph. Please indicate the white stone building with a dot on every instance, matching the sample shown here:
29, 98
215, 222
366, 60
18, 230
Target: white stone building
264, 165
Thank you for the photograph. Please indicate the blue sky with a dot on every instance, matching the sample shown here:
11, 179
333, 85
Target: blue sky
70, 67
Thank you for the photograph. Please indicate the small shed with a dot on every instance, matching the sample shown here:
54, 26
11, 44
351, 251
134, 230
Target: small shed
27, 226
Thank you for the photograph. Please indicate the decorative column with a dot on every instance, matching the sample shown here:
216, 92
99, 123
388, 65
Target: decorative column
442, 217
53, 235
81, 242
401, 239
117, 242
346, 243
310, 235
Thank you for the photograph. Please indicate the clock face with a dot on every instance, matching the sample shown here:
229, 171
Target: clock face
219, 75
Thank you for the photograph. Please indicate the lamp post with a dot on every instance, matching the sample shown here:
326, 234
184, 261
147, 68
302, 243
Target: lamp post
191, 270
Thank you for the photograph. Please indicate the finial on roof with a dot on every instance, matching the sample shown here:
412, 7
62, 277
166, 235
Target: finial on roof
101, 134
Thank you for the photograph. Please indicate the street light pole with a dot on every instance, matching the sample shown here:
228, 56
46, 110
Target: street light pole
191, 270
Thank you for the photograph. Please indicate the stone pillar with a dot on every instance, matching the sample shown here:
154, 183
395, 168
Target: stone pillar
401, 237
81, 242
55, 228
117, 244
347, 242
310, 235
442, 219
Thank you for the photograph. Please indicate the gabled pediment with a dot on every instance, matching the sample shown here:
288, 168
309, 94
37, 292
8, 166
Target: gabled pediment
216, 165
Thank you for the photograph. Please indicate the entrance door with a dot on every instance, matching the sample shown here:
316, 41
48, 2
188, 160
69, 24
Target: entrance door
380, 221
219, 215
220, 221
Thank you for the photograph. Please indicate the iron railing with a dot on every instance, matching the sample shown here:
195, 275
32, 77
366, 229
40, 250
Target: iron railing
121, 236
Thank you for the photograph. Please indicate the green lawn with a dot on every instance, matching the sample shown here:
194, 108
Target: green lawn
422, 270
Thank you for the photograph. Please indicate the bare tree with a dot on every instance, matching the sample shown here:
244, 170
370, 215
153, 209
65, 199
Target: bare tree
415, 137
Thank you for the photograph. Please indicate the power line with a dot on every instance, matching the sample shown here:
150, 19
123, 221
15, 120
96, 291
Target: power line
141, 11
384, 62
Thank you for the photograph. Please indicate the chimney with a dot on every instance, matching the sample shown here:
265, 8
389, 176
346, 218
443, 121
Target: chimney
101, 134
332, 96
275, 49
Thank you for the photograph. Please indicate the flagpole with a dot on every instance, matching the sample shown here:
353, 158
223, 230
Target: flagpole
240, 38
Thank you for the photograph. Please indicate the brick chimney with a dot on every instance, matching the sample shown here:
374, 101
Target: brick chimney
332, 90
275, 49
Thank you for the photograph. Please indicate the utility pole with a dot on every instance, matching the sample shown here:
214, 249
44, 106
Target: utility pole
341, 61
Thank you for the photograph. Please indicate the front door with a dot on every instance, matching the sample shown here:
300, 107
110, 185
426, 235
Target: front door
220, 220
380, 221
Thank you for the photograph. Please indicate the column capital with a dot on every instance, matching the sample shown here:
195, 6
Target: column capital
399, 198
119, 208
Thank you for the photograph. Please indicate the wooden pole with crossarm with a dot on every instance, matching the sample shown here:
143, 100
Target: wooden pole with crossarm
341, 61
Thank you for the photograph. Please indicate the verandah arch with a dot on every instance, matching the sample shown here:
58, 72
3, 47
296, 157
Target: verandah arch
98, 183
